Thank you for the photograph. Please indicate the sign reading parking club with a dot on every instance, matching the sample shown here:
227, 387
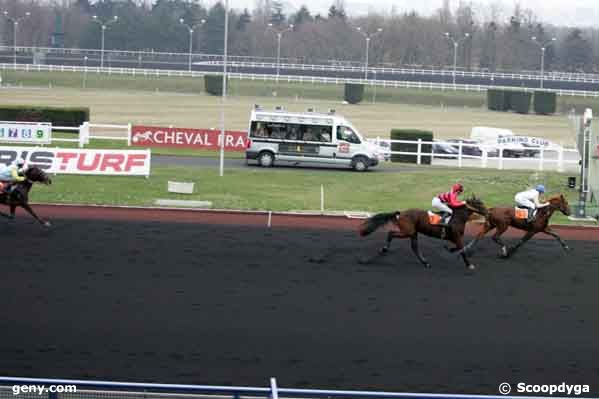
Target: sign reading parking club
25, 132
153, 136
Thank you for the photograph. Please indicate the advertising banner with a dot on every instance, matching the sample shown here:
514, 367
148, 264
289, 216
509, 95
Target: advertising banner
81, 162
528, 140
154, 136
25, 132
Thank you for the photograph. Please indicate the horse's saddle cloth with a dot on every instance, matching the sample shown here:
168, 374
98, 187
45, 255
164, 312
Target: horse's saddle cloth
434, 218
521, 213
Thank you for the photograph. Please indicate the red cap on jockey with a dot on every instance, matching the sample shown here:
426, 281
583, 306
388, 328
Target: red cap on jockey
457, 188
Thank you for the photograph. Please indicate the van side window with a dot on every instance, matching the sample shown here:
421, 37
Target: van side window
345, 133
325, 134
258, 129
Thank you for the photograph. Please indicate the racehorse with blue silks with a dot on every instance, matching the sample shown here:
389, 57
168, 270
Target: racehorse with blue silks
501, 218
18, 194
411, 222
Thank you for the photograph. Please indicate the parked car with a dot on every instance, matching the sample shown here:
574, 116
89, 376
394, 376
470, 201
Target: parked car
530, 150
472, 149
443, 149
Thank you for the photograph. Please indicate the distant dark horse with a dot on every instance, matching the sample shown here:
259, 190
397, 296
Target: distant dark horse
502, 218
413, 221
18, 195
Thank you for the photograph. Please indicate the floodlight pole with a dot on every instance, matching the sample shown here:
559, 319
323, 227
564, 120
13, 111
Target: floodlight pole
191, 29
104, 25
456, 43
543, 47
279, 34
15, 24
224, 94
367, 36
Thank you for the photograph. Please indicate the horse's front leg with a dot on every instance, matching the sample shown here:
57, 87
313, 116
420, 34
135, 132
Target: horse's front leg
32, 213
459, 246
524, 239
486, 228
416, 250
549, 231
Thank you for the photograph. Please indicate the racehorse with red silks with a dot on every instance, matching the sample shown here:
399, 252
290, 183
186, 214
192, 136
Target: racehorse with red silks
411, 222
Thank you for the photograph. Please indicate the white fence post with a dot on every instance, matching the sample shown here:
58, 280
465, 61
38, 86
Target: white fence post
419, 155
83, 134
460, 154
274, 392
484, 158
560, 159
541, 158
128, 134
322, 198
501, 158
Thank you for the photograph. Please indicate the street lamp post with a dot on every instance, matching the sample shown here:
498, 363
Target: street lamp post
279, 36
456, 43
15, 24
543, 47
191, 29
224, 93
367, 36
104, 25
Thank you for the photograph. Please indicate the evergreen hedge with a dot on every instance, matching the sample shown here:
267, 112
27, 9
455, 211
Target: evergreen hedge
353, 93
58, 116
413, 135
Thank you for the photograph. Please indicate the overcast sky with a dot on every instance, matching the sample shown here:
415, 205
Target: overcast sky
561, 12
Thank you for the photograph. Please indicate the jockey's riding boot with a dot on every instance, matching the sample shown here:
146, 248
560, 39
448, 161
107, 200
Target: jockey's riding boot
531, 215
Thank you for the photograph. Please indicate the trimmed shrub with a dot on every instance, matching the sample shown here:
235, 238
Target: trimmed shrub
213, 84
354, 93
520, 101
544, 102
496, 100
72, 117
412, 135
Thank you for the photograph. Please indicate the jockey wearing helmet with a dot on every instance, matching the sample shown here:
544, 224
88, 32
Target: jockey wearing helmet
445, 202
530, 199
11, 174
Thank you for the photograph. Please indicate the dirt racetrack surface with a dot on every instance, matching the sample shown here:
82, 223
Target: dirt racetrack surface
209, 303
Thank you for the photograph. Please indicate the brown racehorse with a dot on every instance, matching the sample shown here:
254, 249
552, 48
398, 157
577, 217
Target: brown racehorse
502, 218
411, 222
18, 195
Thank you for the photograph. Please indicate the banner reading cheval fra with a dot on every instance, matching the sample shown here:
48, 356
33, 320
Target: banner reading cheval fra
155, 136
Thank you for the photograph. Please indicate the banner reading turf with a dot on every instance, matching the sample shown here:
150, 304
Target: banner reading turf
155, 136
81, 162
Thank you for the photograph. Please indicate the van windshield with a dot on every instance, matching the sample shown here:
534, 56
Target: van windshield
345, 133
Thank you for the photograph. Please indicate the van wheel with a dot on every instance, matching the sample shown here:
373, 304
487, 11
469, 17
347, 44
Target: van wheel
266, 159
360, 164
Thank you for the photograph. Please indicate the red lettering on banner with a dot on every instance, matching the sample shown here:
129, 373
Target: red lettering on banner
114, 161
65, 157
135, 160
90, 167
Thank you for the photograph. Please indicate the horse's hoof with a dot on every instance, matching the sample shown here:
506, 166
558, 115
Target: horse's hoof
427, 265
47, 224
567, 249
383, 250
471, 267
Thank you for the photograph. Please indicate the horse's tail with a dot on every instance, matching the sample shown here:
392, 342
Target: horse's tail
373, 223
